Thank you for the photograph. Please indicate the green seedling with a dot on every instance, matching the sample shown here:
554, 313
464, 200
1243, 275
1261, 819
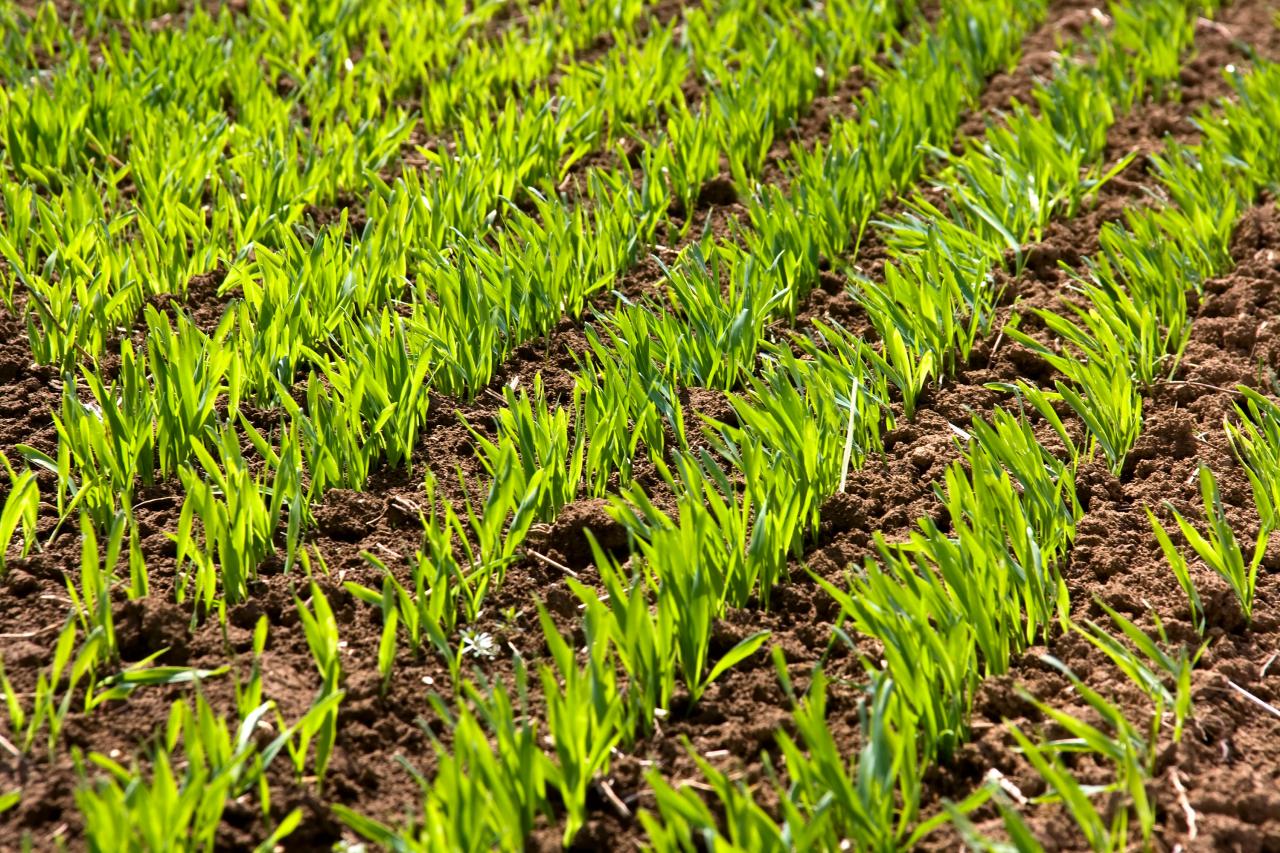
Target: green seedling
1155, 682
321, 630
584, 715
1255, 439
19, 513
1218, 548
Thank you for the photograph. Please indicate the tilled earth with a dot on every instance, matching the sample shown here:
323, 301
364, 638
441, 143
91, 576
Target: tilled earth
1217, 789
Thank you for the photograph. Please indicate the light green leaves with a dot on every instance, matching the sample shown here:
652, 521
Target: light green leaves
321, 630
1255, 439
1151, 666
584, 715
19, 513
239, 514
1218, 547
1178, 563
183, 800
547, 464
483, 796
1130, 752
1104, 395
123, 808
744, 649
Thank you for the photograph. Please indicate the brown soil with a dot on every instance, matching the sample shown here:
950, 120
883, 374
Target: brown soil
28, 394
1232, 746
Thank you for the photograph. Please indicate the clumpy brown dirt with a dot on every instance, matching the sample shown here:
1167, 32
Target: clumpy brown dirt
28, 393
1228, 762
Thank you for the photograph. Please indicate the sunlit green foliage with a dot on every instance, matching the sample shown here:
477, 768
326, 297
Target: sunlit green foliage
499, 173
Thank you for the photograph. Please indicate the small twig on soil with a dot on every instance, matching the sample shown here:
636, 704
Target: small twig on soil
151, 501
996, 346
1266, 706
1220, 28
618, 805
1185, 804
26, 635
384, 549
1006, 785
550, 562
1262, 673
9, 747
1195, 384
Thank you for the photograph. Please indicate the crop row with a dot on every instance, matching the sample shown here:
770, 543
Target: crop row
954, 602
372, 404
454, 58
242, 534
949, 606
90, 238
817, 405
372, 400
133, 218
